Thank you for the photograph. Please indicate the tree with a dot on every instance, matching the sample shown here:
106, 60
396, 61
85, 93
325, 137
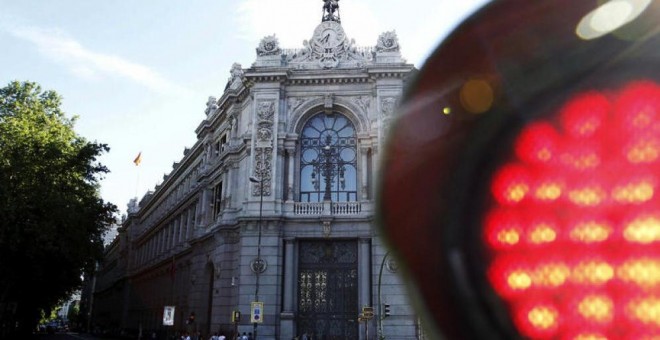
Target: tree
52, 218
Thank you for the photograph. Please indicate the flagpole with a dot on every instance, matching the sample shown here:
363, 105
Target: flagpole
137, 162
137, 182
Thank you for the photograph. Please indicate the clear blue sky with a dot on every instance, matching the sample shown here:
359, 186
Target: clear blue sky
138, 73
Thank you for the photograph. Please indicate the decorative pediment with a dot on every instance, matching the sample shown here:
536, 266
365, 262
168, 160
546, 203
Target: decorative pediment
329, 48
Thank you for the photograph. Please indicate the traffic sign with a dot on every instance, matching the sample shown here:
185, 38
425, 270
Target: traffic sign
256, 312
367, 312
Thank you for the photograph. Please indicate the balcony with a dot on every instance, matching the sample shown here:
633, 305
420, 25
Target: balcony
328, 208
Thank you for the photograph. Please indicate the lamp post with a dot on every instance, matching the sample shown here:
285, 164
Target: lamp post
380, 302
258, 265
328, 164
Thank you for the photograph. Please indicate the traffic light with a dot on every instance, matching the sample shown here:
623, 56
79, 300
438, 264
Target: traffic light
386, 310
521, 182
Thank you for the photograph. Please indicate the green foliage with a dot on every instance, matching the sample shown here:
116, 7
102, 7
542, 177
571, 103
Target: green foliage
73, 312
51, 216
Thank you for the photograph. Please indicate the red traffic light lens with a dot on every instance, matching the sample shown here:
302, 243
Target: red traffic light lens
573, 228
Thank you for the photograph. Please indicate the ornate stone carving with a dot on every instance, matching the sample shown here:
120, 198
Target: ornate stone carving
132, 206
328, 102
329, 8
327, 228
294, 102
263, 148
269, 45
236, 71
264, 134
262, 170
387, 107
265, 111
211, 105
388, 42
363, 102
328, 48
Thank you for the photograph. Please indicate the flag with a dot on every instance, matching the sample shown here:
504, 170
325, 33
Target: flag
138, 159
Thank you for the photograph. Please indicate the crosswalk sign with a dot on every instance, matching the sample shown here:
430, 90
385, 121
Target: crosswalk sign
256, 312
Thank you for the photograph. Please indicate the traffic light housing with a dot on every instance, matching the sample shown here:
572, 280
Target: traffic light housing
519, 184
386, 310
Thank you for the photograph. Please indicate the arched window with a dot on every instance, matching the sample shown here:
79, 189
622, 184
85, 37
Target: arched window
328, 159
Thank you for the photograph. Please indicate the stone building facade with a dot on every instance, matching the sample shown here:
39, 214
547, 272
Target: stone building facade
274, 203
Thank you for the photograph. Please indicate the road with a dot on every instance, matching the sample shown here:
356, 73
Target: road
70, 336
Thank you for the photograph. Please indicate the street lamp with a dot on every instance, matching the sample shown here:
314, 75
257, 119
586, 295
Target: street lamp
258, 265
328, 164
380, 301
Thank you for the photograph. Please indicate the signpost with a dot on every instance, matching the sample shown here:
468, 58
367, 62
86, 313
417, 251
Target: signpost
235, 319
366, 315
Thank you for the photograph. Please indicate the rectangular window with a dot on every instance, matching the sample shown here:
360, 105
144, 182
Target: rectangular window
223, 141
217, 200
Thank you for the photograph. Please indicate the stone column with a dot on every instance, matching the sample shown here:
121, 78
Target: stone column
289, 275
287, 316
364, 274
189, 223
227, 185
202, 209
291, 152
364, 152
364, 259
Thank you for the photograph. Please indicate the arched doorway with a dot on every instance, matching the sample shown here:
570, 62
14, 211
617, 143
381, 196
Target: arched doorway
328, 289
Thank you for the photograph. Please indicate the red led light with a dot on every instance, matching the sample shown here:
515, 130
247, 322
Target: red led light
574, 228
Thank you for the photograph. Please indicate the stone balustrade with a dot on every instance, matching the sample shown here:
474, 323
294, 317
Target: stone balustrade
346, 208
308, 208
320, 208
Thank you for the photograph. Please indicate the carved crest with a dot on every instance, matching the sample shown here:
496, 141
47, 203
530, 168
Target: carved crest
264, 134
269, 45
387, 42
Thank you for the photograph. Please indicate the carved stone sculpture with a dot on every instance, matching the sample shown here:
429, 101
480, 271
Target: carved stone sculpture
269, 45
387, 42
